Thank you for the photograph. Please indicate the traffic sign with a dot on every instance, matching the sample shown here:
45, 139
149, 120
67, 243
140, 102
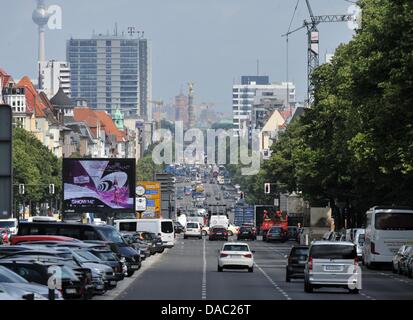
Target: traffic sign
140, 204
267, 188
140, 191
276, 202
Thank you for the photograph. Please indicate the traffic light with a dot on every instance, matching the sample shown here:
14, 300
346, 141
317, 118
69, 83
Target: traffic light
267, 188
21, 188
51, 188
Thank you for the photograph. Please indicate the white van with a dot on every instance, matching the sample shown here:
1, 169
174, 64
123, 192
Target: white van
10, 224
162, 227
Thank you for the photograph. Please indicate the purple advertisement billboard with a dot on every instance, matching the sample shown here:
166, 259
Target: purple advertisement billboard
98, 185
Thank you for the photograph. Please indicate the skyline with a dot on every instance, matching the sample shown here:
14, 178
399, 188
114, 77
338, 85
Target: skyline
222, 40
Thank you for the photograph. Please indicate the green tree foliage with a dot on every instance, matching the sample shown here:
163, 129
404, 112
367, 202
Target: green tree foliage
35, 166
356, 142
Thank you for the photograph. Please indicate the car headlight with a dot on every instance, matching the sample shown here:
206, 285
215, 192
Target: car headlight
39, 297
123, 260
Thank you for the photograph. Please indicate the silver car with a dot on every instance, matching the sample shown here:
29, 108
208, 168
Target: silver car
332, 264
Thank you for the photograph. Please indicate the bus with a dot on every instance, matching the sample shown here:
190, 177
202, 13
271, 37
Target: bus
388, 228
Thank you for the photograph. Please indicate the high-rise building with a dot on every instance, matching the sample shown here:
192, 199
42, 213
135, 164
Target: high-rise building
53, 75
251, 87
181, 108
111, 71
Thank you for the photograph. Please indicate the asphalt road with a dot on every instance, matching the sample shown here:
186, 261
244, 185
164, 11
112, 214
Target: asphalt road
182, 273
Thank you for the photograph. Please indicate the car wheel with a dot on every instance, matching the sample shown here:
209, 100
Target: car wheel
162, 250
204, 233
287, 277
220, 269
308, 288
354, 291
230, 233
130, 273
251, 269
410, 273
399, 270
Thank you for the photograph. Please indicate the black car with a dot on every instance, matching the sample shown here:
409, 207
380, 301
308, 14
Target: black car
247, 233
178, 227
135, 242
296, 262
151, 237
88, 233
218, 233
39, 272
292, 233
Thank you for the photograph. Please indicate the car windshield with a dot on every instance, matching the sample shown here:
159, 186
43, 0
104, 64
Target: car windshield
105, 255
243, 229
9, 276
7, 224
235, 247
87, 256
112, 235
333, 252
167, 227
192, 225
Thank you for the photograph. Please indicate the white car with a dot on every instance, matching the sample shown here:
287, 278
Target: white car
235, 255
193, 229
232, 229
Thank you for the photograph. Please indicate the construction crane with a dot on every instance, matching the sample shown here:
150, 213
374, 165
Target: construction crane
313, 57
157, 114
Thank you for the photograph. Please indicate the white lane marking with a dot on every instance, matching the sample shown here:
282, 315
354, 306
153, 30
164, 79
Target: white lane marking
203, 291
273, 283
367, 296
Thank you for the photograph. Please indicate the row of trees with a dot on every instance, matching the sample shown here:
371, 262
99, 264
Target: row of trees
35, 167
355, 144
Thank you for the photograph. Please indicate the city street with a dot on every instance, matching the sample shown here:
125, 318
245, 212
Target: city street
182, 273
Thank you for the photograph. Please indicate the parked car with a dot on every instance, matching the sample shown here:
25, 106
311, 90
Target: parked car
296, 262
141, 247
409, 264
235, 255
101, 275
39, 272
152, 238
332, 264
88, 233
401, 259
17, 286
396, 262
193, 229
246, 233
218, 233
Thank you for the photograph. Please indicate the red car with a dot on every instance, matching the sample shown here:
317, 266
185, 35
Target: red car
19, 239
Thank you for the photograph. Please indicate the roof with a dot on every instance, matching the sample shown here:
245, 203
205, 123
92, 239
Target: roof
60, 99
48, 110
34, 103
110, 127
5, 78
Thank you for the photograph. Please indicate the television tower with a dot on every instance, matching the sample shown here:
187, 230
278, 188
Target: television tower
40, 17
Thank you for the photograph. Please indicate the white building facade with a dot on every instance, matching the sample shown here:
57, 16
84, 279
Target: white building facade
251, 89
53, 75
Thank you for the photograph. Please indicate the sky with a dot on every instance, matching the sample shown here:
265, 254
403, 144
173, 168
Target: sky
208, 42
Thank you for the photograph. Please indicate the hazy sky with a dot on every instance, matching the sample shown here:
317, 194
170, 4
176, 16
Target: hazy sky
209, 42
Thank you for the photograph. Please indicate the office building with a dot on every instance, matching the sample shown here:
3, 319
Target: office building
111, 71
253, 89
54, 75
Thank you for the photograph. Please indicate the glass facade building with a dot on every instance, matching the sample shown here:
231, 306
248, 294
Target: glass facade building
111, 72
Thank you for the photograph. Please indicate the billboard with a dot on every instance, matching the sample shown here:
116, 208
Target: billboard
98, 185
152, 195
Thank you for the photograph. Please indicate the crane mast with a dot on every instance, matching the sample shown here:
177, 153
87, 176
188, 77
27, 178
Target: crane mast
313, 56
